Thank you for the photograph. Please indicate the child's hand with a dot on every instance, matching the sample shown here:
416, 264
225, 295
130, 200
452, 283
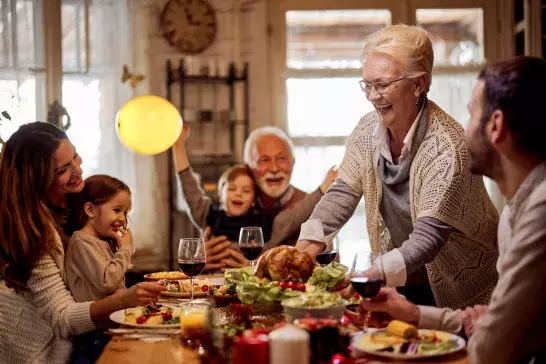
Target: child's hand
126, 238
184, 135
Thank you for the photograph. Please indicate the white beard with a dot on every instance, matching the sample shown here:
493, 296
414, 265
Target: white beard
273, 192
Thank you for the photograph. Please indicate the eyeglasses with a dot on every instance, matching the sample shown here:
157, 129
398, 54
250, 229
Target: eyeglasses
381, 88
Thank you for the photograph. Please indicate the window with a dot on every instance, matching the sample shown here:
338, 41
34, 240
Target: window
20, 52
324, 99
22, 70
458, 43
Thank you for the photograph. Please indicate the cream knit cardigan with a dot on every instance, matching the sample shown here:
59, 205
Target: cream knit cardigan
463, 272
37, 326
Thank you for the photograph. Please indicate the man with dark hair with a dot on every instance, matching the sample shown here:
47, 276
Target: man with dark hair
506, 139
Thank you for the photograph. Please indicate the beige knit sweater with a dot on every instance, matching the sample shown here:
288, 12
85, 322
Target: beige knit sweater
37, 325
441, 186
93, 270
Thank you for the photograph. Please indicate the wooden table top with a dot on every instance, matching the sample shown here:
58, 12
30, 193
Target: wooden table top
172, 352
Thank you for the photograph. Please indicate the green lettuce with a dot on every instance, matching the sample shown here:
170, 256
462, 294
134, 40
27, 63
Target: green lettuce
327, 277
252, 289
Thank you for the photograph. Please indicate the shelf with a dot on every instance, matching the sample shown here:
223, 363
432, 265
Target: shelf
198, 159
205, 79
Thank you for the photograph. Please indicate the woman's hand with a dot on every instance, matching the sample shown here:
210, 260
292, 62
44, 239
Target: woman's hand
311, 247
235, 260
330, 178
216, 250
141, 294
389, 301
126, 238
344, 287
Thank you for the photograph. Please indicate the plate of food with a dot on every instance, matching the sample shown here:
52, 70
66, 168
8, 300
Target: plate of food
171, 276
181, 289
401, 340
150, 316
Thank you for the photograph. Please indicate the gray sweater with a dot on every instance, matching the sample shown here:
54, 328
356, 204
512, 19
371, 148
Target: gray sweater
395, 211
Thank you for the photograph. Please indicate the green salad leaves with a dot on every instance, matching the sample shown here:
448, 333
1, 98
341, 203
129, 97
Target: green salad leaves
252, 289
327, 277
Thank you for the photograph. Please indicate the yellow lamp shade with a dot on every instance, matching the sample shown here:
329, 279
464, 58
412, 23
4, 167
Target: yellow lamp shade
148, 124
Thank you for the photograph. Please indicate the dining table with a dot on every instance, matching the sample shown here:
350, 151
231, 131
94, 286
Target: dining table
168, 349
171, 351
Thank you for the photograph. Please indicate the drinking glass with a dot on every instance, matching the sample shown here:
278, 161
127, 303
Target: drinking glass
366, 286
192, 259
251, 243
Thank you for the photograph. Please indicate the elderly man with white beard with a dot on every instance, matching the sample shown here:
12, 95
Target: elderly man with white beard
269, 153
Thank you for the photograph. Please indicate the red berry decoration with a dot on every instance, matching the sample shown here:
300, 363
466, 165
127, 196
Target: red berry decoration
338, 359
167, 316
141, 320
291, 285
204, 288
301, 287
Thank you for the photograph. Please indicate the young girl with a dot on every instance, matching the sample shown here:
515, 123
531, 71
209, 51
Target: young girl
99, 251
236, 189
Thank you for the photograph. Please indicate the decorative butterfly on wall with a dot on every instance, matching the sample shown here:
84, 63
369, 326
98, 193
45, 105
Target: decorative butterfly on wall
134, 78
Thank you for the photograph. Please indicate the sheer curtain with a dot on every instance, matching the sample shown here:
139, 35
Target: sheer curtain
93, 101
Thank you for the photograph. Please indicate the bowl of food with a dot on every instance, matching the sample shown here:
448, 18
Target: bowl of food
170, 276
314, 303
224, 295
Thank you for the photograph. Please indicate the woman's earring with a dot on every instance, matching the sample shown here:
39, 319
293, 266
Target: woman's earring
417, 102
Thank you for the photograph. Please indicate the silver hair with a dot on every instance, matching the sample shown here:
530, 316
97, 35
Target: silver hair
250, 143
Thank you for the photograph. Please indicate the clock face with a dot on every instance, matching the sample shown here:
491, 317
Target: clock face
189, 25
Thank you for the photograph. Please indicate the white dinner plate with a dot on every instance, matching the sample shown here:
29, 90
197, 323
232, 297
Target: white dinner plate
184, 295
357, 345
119, 317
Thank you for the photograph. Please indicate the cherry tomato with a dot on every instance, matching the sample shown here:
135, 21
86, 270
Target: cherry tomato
345, 320
283, 285
167, 316
141, 320
291, 285
204, 288
356, 296
301, 287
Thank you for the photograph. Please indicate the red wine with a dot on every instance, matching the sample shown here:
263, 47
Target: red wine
191, 268
251, 252
326, 257
367, 287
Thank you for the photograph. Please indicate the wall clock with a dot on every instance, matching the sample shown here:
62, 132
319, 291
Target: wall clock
189, 25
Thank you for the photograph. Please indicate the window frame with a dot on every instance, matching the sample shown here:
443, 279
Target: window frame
403, 11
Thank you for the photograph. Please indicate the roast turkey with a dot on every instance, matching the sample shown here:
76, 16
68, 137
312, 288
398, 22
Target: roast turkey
285, 263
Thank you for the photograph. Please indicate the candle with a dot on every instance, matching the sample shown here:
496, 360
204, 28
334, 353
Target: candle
289, 345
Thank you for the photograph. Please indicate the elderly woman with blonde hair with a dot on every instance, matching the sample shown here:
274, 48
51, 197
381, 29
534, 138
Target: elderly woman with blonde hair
426, 212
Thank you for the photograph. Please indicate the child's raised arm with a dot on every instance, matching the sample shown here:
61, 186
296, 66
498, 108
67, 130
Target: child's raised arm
198, 203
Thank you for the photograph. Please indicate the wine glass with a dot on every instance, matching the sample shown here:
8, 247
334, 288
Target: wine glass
251, 243
192, 259
325, 258
365, 285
